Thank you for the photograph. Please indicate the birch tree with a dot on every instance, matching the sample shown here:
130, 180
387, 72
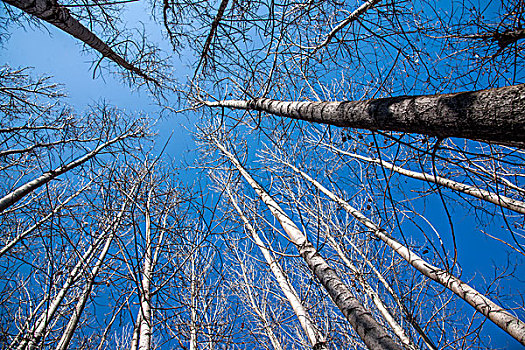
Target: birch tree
449, 115
315, 337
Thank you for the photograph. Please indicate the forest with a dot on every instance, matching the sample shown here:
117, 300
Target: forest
262, 174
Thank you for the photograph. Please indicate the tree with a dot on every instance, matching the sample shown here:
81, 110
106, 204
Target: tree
371, 332
54, 13
359, 179
315, 337
448, 115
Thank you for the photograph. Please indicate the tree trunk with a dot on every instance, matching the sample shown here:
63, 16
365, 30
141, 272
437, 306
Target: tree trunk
314, 336
145, 304
33, 339
494, 198
494, 115
27, 232
368, 329
502, 318
75, 274
193, 307
81, 304
372, 294
351, 18
51, 12
266, 324
16, 195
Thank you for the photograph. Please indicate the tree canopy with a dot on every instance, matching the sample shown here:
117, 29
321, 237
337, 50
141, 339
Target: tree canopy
262, 174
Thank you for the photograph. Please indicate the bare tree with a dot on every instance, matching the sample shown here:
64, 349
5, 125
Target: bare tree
59, 16
315, 337
449, 115
505, 320
371, 332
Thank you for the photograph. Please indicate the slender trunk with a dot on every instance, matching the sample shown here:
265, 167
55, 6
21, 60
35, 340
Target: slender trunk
145, 307
502, 318
351, 18
136, 332
408, 315
314, 336
81, 304
494, 198
215, 24
371, 293
27, 325
43, 321
493, 115
193, 307
16, 195
50, 11
27, 232
266, 324
368, 329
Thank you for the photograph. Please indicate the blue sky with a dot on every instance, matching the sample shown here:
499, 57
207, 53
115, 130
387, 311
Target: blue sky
52, 52
57, 54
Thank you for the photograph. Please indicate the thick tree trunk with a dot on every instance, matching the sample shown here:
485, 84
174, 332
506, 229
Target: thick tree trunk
369, 330
494, 115
314, 336
51, 12
502, 318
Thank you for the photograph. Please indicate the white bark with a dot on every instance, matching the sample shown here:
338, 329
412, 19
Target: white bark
16, 195
145, 307
43, 321
27, 232
193, 307
351, 18
504, 201
502, 318
81, 304
371, 332
314, 336
372, 294
260, 313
